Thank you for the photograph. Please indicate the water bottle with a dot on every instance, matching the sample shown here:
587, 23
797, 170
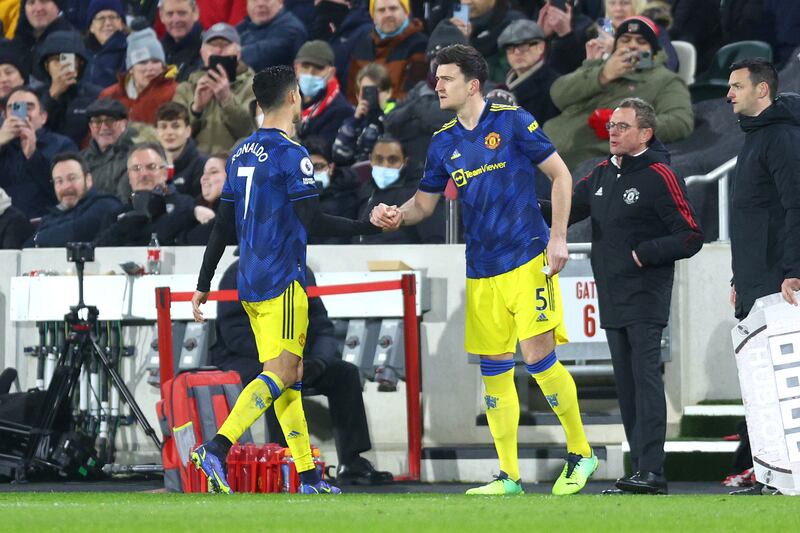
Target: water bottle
154, 255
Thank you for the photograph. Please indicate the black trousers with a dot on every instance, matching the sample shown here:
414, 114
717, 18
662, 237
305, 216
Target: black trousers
341, 384
638, 372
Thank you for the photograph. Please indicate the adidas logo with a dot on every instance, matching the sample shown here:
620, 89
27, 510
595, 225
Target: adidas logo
293, 435
542, 318
456, 154
599, 192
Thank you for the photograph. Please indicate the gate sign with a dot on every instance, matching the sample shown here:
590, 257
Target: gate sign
581, 312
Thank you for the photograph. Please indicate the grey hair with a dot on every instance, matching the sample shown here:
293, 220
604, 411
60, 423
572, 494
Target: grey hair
645, 113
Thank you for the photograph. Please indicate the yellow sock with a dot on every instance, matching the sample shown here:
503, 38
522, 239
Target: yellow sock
290, 413
502, 412
559, 389
256, 397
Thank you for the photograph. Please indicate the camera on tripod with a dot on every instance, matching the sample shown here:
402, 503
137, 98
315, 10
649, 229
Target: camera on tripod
80, 252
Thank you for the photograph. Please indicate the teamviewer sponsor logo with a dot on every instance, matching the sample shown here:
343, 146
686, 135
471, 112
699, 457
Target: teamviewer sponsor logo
461, 176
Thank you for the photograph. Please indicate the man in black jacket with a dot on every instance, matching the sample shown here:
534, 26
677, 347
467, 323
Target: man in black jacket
642, 223
323, 370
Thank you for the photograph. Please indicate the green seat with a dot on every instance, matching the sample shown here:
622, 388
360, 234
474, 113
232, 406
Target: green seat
714, 82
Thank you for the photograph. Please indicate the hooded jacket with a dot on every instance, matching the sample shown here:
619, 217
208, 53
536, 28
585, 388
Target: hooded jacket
67, 113
82, 223
105, 62
639, 207
30, 43
273, 43
765, 203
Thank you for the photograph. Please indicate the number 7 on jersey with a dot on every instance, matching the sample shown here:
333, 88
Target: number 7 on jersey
246, 172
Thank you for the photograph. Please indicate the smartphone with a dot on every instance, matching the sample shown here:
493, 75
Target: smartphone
370, 94
461, 12
67, 59
20, 110
560, 4
644, 60
228, 64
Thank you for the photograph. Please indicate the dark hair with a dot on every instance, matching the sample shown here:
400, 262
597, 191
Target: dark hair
25, 89
386, 138
157, 148
645, 113
378, 74
760, 71
271, 85
70, 156
469, 60
317, 145
173, 111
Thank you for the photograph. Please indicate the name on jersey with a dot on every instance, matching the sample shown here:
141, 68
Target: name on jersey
461, 176
252, 148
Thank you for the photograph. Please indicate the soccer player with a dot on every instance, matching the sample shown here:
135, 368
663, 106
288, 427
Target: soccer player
512, 257
271, 194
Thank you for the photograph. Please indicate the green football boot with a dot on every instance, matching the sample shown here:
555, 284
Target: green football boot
501, 486
576, 473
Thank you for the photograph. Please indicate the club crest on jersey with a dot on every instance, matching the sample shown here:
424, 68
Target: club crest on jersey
630, 196
302, 339
492, 141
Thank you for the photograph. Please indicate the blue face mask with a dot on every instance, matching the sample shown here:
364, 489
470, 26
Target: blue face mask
395, 33
385, 176
311, 85
323, 178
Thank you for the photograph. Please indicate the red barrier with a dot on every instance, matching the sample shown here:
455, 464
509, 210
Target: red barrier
408, 285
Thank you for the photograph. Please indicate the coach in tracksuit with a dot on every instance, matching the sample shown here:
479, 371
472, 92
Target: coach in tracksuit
641, 224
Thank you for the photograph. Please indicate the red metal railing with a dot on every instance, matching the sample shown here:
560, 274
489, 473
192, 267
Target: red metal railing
407, 284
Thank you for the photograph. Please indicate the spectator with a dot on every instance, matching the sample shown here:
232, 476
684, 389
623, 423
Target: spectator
567, 34
26, 149
342, 24
13, 69
15, 228
780, 27
394, 181
184, 36
698, 22
416, 118
324, 106
174, 132
397, 42
740, 19
271, 35
358, 134
323, 369
587, 96
67, 93
207, 202
144, 10
487, 20
107, 153
530, 77
105, 42
154, 205
38, 19
148, 83
220, 107
339, 187
81, 210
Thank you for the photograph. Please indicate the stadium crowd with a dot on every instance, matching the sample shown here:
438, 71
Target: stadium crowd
118, 116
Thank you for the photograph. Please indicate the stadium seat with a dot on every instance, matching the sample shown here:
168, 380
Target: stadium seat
687, 60
714, 82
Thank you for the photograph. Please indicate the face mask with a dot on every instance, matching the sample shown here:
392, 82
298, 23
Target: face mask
310, 85
323, 178
385, 176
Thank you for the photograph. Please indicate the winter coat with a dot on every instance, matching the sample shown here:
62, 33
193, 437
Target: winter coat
217, 128
765, 203
15, 228
130, 228
143, 108
110, 168
67, 113
578, 94
640, 207
184, 54
566, 53
105, 62
698, 22
346, 37
780, 27
402, 55
273, 43
357, 136
82, 223
27, 41
341, 199
533, 92
28, 181
186, 172
327, 123
485, 32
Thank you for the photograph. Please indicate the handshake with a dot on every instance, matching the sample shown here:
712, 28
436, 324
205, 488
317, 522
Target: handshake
386, 217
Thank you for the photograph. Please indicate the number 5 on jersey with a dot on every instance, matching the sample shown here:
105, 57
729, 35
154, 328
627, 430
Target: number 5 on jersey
247, 173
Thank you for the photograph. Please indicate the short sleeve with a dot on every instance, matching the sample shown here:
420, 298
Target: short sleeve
298, 170
530, 137
435, 178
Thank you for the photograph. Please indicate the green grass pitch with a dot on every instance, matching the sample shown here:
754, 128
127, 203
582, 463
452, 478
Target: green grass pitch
415, 513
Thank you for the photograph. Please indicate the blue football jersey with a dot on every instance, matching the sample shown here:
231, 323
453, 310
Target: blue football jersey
491, 166
266, 173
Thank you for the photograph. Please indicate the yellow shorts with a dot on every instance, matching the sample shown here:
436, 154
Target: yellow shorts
518, 304
280, 323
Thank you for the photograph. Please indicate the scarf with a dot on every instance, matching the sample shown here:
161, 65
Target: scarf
316, 109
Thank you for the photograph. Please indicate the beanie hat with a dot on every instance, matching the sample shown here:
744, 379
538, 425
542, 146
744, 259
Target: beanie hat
96, 6
12, 54
444, 34
640, 26
404, 3
143, 45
